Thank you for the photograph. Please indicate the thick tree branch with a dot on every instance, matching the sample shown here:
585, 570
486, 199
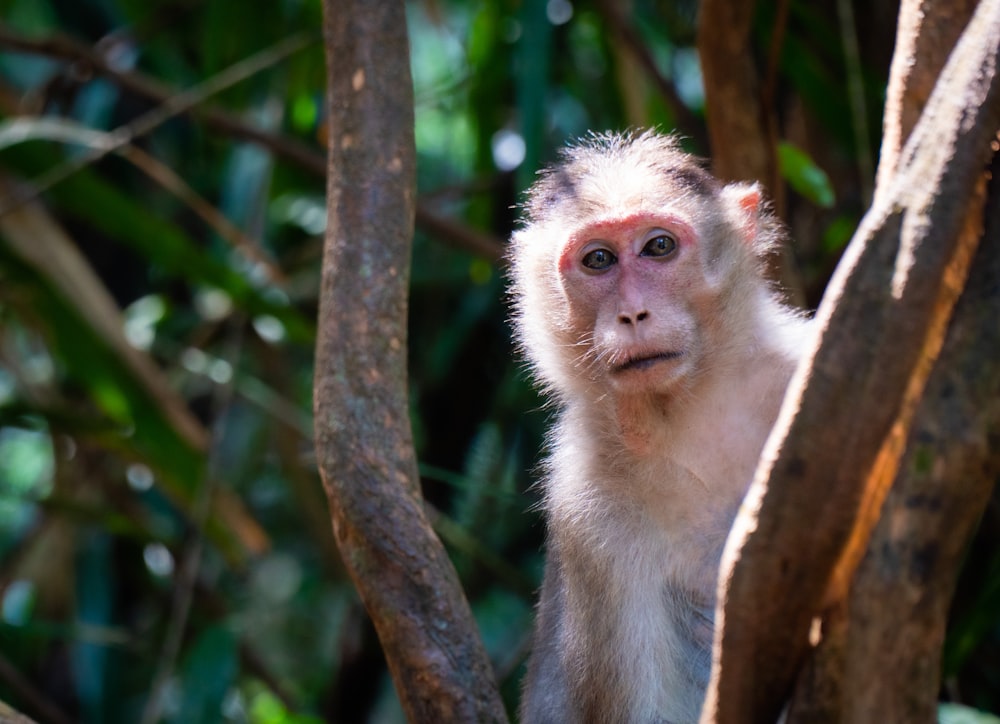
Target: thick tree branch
927, 32
744, 136
839, 439
363, 436
901, 594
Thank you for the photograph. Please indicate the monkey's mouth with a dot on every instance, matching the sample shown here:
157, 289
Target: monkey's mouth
644, 362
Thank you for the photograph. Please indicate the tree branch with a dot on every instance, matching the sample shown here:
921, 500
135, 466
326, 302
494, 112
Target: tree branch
841, 433
170, 108
363, 437
741, 126
731, 93
900, 597
928, 30
632, 41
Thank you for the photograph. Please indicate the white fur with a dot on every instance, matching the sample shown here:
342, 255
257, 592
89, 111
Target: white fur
642, 483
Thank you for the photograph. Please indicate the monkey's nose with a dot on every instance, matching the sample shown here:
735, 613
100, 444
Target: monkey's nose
632, 318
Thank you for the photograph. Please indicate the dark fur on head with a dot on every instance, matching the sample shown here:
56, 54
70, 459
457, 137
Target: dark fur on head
607, 173
566, 181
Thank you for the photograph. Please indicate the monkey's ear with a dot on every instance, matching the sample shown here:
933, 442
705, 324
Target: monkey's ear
749, 200
746, 200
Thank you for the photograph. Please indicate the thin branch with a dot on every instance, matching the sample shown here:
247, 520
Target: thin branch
300, 154
47, 712
687, 122
170, 108
19, 130
856, 96
215, 219
461, 235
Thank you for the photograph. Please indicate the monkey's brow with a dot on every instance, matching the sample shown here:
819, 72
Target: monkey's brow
568, 184
692, 178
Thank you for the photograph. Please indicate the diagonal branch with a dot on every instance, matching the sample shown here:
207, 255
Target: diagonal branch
837, 444
687, 122
900, 596
171, 107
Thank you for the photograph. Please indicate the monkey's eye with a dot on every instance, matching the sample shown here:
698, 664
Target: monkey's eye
661, 245
599, 259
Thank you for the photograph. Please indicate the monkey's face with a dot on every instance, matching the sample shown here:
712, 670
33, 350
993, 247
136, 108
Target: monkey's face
636, 292
628, 271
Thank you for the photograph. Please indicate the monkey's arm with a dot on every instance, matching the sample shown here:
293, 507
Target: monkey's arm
546, 698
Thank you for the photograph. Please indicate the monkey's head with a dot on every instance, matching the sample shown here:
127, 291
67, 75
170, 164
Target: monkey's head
632, 266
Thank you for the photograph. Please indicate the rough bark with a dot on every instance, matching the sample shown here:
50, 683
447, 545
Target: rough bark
738, 136
900, 596
841, 434
926, 33
742, 136
363, 436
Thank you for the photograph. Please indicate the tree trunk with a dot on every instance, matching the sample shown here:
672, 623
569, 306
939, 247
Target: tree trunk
840, 438
742, 124
363, 436
899, 599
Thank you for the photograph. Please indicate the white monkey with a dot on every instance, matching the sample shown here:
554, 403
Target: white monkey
641, 305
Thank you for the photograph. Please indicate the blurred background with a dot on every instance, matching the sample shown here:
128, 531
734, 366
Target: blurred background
165, 547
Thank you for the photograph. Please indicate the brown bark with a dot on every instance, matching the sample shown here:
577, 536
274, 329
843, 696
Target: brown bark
841, 434
899, 599
926, 34
900, 596
743, 137
363, 436
629, 40
736, 130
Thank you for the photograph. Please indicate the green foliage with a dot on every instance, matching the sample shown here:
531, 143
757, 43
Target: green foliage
957, 714
156, 367
804, 175
207, 673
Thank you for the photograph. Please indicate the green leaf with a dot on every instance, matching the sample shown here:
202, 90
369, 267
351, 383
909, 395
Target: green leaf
958, 714
266, 708
808, 179
207, 673
837, 235
124, 218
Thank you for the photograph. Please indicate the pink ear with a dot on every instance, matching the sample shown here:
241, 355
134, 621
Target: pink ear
749, 201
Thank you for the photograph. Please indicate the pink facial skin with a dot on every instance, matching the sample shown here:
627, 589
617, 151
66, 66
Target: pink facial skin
634, 307
620, 234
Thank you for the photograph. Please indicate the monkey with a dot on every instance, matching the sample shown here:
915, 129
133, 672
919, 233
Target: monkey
641, 306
